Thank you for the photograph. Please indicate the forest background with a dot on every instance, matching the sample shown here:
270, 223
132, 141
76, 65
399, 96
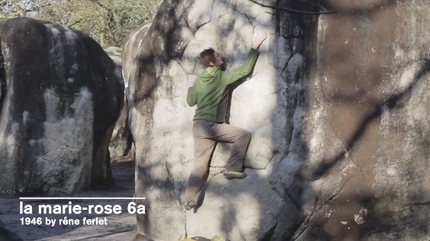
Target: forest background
109, 22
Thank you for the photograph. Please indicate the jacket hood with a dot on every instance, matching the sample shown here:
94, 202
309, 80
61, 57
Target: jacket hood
209, 73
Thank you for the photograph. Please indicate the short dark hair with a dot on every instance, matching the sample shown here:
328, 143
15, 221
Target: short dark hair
206, 57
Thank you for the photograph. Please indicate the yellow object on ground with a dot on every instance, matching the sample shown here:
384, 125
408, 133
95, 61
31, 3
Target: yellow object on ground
216, 238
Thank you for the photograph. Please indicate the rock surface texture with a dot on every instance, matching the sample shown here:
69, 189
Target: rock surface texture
336, 106
60, 97
367, 126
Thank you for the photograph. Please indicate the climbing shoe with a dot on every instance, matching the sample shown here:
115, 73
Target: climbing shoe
188, 206
234, 174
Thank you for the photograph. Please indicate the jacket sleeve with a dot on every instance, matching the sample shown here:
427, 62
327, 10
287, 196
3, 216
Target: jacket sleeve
191, 97
243, 70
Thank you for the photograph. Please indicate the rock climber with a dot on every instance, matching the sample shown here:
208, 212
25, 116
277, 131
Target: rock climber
210, 93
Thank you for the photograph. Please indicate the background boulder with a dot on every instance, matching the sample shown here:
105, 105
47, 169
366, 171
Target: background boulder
121, 145
61, 95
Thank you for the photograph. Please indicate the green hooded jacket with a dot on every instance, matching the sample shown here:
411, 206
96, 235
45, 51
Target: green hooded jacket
210, 92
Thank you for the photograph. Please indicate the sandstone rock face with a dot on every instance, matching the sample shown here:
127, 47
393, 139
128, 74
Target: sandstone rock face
367, 125
160, 61
61, 95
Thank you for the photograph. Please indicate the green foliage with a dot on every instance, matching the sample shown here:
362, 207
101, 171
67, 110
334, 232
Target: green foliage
109, 22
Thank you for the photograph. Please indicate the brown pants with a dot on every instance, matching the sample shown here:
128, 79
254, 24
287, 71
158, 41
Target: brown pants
206, 134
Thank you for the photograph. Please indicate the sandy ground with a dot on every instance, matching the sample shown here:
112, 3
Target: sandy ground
119, 226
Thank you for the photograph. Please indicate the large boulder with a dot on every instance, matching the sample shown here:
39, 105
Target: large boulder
336, 105
61, 95
160, 62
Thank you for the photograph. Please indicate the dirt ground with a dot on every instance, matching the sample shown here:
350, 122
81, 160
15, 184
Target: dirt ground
119, 226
